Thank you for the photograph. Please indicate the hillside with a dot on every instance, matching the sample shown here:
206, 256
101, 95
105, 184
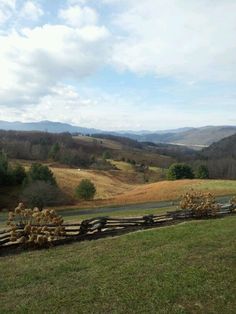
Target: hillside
188, 268
224, 148
119, 187
196, 137
78, 151
220, 158
193, 137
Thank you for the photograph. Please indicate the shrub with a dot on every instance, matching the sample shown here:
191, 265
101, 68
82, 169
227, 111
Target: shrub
34, 223
202, 172
233, 203
19, 174
40, 194
200, 204
85, 190
9, 175
39, 172
106, 155
180, 171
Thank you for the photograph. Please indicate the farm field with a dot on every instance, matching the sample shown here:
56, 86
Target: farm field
188, 268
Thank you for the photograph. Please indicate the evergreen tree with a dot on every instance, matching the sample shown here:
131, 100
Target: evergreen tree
85, 190
39, 172
202, 172
180, 171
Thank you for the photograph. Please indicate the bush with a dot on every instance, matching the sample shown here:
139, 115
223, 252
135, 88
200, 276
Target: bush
40, 194
19, 174
39, 172
106, 155
180, 171
8, 175
85, 190
202, 172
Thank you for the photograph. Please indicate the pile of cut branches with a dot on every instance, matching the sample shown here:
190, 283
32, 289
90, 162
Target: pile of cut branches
200, 204
34, 226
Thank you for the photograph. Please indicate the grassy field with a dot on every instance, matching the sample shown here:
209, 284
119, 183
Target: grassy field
171, 190
122, 165
123, 186
107, 183
188, 268
107, 143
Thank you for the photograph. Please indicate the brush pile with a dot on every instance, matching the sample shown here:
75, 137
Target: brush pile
34, 226
233, 202
200, 204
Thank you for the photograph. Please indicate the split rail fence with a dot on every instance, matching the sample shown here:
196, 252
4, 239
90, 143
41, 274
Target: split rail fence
99, 227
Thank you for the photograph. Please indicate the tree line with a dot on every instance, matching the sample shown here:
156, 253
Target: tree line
38, 185
62, 148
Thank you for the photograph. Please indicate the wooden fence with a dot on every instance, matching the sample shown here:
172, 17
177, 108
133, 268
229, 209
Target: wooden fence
99, 227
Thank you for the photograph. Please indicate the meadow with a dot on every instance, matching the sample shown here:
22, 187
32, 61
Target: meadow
188, 268
125, 186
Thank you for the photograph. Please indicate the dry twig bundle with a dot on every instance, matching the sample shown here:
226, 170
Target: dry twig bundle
200, 204
34, 226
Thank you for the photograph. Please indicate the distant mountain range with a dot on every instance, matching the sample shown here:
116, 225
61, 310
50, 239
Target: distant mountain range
46, 126
191, 137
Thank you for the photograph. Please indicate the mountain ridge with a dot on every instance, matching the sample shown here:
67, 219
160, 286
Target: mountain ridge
188, 136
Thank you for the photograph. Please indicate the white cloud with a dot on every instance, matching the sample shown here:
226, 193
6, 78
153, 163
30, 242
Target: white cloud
191, 40
176, 38
34, 60
87, 107
78, 16
6, 10
31, 11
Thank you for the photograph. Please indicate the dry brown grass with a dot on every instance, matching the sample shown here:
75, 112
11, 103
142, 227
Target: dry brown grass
120, 187
125, 187
108, 184
99, 142
170, 190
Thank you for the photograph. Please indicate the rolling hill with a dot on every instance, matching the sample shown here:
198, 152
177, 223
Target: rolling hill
220, 158
195, 137
192, 137
224, 148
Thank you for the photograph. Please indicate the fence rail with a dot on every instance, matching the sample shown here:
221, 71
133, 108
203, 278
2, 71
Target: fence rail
99, 227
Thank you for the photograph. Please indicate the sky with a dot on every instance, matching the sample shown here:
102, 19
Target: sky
119, 64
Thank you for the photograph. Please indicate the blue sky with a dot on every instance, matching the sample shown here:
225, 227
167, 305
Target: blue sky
119, 65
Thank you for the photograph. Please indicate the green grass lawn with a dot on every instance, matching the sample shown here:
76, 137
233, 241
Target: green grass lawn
187, 268
217, 185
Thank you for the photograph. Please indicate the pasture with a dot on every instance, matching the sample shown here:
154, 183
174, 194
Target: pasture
119, 187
